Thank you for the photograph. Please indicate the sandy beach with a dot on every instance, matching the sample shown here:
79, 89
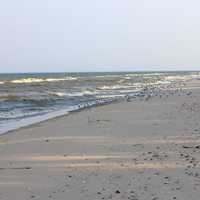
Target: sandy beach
147, 148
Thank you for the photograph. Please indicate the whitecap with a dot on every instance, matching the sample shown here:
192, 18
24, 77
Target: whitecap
40, 80
110, 96
118, 87
164, 82
61, 79
74, 94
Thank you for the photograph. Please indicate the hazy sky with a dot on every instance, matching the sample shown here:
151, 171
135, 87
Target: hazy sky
99, 35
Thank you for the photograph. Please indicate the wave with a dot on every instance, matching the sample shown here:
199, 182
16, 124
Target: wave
136, 85
40, 80
58, 94
1, 82
38, 97
64, 94
145, 74
16, 114
75, 94
111, 96
9, 97
176, 78
13, 125
26, 97
111, 87
99, 94
182, 77
162, 82
118, 87
154, 74
108, 76
44, 97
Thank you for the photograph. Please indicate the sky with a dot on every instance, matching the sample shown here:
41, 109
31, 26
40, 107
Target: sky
99, 35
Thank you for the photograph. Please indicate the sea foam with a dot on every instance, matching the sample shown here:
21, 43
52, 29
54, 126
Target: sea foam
40, 80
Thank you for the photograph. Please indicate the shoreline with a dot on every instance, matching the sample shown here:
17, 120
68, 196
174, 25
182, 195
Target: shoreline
29, 122
34, 108
36, 120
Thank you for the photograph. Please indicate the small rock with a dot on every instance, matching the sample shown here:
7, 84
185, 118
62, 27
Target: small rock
155, 198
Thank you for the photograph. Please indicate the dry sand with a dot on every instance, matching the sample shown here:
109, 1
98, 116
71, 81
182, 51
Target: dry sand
138, 150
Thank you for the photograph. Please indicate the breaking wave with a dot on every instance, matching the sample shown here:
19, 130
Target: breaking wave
75, 94
182, 78
118, 86
40, 80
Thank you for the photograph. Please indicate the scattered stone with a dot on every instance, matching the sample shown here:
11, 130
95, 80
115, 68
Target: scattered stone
189, 93
187, 147
155, 198
98, 192
117, 192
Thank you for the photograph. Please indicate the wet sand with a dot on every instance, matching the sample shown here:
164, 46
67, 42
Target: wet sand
144, 149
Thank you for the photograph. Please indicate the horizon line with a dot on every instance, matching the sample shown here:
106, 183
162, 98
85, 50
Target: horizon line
118, 71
